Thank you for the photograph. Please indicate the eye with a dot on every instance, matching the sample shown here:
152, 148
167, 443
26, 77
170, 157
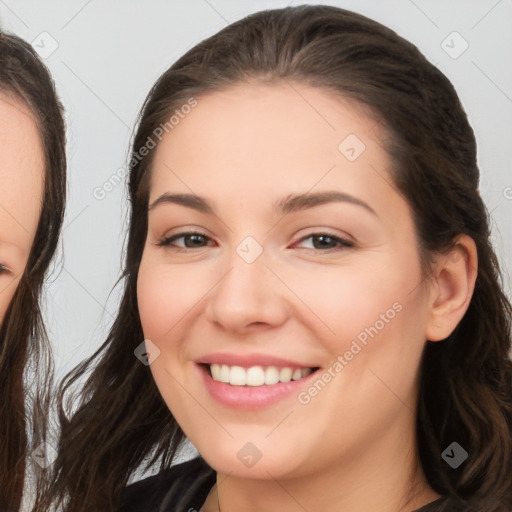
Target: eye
194, 237
196, 240
4, 269
327, 242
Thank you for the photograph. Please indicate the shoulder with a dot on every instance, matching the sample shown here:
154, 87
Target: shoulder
179, 488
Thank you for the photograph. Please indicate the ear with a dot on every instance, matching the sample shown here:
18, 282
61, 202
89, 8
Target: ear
453, 278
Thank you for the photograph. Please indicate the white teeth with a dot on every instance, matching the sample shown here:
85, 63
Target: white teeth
215, 369
237, 376
297, 374
224, 373
271, 375
285, 375
256, 375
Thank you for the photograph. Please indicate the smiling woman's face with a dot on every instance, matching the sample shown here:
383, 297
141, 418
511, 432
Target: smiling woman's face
21, 178
265, 283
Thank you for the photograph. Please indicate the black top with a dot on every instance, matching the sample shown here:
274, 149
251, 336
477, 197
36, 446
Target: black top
184, 488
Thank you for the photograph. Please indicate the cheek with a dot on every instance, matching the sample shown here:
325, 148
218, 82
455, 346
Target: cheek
166, 297
373, 316
152, 300
346, 300
163, 298
169, 298
379, 319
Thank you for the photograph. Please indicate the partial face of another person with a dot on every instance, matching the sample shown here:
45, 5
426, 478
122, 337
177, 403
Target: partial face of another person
21, 189
269, 288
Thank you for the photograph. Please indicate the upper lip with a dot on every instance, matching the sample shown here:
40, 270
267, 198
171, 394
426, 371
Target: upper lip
248, 360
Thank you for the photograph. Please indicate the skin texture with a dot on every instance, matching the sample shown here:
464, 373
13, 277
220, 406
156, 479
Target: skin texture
22, 177
352, 447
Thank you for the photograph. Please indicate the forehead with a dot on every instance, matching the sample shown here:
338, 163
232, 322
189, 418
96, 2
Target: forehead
280, 115
251, 145
269, 126
19, 136
21, 170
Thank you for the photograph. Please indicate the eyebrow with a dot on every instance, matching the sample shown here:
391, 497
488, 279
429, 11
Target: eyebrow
289, 204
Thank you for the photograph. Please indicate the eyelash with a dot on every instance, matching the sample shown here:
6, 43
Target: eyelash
4, 269
343, 243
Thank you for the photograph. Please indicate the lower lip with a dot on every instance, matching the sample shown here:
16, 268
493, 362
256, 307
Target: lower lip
251, 397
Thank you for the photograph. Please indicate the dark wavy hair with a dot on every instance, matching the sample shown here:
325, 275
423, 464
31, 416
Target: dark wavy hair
26, 367
465, 391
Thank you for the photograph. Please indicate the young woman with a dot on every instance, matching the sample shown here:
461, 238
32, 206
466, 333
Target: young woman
32, 198
309, 267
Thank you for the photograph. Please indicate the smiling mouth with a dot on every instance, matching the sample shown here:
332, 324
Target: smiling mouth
256, 376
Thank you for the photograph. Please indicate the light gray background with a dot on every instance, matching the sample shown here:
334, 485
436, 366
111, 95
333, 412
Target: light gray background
110, 53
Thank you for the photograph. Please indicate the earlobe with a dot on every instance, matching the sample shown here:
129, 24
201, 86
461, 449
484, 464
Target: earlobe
455, 276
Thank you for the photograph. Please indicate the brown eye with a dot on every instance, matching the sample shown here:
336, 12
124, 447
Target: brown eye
194, 238
327, 242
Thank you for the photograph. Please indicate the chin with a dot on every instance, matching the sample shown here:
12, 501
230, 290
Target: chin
259, 460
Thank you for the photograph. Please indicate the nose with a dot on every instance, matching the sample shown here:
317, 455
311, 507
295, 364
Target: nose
249, 296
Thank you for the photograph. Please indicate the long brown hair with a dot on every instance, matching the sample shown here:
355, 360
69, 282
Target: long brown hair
25, 355
465, 389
